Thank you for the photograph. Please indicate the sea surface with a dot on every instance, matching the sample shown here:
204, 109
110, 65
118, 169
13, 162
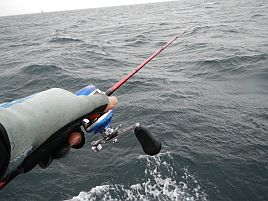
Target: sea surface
205, 98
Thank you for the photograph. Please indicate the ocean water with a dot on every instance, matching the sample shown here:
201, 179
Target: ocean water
205, 98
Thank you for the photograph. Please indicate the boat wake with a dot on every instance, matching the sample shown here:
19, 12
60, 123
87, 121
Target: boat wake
161, 182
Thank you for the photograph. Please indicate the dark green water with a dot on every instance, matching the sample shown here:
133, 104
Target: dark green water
206, 98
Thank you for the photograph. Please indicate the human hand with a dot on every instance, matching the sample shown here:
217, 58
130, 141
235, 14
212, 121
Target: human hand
75, 138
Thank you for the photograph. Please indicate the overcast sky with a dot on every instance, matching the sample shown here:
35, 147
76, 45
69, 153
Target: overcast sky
14, 7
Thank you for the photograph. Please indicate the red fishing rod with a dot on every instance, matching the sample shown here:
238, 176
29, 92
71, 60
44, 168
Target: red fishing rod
111, 90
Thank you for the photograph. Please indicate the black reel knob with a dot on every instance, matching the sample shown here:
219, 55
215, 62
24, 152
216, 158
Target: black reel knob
150, 145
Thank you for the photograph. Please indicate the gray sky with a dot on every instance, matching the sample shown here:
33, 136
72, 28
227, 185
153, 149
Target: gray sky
14, 7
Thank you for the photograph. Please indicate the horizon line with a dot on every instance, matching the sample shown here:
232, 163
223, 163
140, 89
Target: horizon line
44, 11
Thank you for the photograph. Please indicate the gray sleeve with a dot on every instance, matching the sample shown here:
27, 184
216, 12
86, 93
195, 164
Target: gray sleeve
31, 122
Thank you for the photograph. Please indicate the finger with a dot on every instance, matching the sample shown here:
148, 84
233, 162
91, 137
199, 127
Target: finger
112, 103
75, 138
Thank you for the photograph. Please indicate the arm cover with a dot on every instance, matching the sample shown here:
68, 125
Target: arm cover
29, 122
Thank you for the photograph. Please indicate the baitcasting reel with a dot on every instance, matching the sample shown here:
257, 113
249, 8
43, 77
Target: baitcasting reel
102, 125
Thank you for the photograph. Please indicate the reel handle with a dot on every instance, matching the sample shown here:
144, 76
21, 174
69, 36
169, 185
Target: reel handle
150, 145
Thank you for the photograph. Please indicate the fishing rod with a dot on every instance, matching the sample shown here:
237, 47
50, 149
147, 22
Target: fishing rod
102, 123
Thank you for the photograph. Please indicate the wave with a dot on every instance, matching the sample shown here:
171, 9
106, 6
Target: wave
78, 23
137, 40
163, 23
257, 16
81, 21
40, 69
210, 4
233, 65
161, 183
138, 37
25, 45
74, 26
199, 28
64, 40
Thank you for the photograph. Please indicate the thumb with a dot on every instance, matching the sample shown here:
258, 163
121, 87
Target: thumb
112, 103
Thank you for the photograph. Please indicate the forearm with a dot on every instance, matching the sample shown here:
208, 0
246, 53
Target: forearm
28, 124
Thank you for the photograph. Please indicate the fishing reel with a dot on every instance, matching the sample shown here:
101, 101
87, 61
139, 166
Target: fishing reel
102, 125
